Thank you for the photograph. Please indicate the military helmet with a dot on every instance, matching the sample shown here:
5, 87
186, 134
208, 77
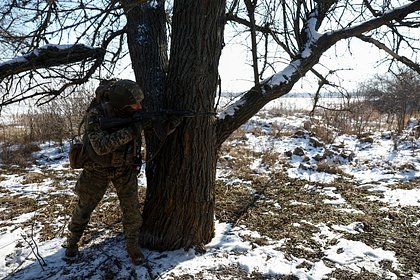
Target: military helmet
125, 93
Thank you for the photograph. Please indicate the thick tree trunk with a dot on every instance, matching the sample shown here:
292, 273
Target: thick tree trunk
179, 206
148, 45
148, 48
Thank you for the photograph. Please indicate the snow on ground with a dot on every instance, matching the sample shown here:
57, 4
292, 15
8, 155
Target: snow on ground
376, 166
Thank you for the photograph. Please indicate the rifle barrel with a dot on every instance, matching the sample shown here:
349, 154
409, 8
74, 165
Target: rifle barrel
109, 123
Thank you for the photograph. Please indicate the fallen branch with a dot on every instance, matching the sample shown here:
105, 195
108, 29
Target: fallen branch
38, 257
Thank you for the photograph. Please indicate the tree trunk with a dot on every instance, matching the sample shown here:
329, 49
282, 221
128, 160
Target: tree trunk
148, 48
179, 205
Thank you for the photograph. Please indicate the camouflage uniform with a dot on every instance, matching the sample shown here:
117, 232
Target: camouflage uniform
112, 159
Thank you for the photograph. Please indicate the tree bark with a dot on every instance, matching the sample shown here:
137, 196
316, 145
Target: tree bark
179, 206
148, 48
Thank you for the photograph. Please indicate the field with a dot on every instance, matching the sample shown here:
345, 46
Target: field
295, 199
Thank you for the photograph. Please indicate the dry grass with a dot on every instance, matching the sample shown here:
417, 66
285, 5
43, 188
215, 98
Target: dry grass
330, 168
282, 208
322, 131
274, 205
231, 272
15, 206
281, 111
17, 153
57, 120
301, 210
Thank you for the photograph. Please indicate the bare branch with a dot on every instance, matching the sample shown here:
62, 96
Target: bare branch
414, 66
48, 56
282, 82
393, 15
250, 5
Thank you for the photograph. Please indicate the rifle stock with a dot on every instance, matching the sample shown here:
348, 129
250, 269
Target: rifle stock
110, 123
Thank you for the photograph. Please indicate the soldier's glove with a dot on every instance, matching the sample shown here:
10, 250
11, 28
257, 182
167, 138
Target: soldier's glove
136, 129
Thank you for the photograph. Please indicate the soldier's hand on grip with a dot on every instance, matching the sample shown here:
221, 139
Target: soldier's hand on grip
136, 128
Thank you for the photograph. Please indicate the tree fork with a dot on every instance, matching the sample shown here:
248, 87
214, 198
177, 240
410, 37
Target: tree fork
179, 204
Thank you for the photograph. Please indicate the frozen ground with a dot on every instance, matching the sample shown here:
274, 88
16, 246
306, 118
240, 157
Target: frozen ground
289, 207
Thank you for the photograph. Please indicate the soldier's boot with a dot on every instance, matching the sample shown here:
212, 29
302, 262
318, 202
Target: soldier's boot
72, 247
133, 250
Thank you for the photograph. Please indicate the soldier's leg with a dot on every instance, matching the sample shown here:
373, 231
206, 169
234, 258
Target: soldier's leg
90, 189
127, 190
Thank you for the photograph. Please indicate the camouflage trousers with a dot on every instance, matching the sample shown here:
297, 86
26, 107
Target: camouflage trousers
91, 187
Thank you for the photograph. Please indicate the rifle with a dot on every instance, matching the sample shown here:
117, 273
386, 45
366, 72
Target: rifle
109, 123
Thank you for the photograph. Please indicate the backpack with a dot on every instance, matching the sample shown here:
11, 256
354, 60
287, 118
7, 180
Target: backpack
77, 153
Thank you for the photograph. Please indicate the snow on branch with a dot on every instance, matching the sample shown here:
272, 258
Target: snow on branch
49, 56
311, 38
396, 14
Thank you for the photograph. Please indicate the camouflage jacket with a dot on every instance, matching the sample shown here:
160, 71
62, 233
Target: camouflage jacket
118, 147
115, 148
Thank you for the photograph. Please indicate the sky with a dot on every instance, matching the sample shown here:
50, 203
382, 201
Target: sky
358, 65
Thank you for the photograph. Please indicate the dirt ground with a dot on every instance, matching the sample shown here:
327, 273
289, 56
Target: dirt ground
271, 204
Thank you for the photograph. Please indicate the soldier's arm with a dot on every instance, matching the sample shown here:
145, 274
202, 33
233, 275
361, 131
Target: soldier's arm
161, 127
104, 142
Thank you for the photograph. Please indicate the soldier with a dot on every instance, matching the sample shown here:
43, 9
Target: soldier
112, 157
